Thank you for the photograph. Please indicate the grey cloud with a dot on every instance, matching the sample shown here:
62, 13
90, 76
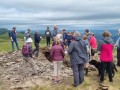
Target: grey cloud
21, 12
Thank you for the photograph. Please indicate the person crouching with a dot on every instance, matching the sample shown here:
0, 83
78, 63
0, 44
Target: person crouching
27, 57
57, 55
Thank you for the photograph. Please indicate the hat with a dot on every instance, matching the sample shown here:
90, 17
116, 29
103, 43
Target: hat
118, 30
29, 40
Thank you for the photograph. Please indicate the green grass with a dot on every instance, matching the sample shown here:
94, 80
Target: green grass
5, 43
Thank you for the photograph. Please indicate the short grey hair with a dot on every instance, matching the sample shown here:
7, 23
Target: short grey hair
76, 33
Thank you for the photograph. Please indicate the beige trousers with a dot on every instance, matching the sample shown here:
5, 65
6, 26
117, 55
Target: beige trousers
57, 68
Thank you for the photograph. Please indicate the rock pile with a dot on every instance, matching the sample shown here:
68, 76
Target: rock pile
11, 70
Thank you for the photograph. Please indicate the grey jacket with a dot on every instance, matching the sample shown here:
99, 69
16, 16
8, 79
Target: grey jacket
78, 52
47, 33
104, 41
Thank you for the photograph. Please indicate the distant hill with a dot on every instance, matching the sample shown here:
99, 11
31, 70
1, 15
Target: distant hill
3, 30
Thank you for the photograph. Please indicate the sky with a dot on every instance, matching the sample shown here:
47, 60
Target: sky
70, 14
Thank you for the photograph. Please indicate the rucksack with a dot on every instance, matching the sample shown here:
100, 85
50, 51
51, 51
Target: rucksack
88, 49
25, 50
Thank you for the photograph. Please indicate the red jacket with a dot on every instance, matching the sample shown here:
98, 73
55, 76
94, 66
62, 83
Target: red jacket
57, 53
93, 42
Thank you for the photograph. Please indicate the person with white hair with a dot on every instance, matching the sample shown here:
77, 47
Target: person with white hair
78, 57
117, 44
27, 57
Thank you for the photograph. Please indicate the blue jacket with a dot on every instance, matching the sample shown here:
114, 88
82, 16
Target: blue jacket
78, 52
13, 35
64, 36
37, 38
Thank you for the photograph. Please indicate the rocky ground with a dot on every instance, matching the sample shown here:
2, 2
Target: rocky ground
12, 77
11, 71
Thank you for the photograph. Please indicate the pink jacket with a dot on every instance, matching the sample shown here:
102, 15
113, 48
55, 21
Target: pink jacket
93, 42
106, 54
57, 53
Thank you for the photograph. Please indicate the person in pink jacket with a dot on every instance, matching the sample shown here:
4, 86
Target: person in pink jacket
93, 45
105, 47
57, 55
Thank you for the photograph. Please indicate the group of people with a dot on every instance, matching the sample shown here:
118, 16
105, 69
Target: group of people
81, 49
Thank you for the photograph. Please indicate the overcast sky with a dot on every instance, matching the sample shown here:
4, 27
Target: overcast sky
77, 13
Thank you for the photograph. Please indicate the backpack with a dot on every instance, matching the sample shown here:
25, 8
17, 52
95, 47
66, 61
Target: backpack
88, 49
25, 50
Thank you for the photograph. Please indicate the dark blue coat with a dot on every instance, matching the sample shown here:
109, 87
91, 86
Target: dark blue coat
37, 38
13, 35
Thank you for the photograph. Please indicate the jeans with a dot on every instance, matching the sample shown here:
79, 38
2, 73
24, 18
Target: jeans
48, 40
78, 73
105, 66
14, 41
36, 49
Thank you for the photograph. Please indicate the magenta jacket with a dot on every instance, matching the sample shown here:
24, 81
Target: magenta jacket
57, 53
106, 50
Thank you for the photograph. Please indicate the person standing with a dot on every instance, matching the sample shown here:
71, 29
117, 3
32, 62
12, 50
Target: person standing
78, 57
84, 38
87, 32
48, 36
55, 32
36, 43
93, 45
69, 38
57, 55
105, 47
117, 44
13, 37
27, 35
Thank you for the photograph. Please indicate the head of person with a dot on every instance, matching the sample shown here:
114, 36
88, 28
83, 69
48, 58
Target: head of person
28, 30
57, 41
14, 29
87, 32
76, 34
55, 27
63, 30
29, 41
84, 37
36, 33
118, 31
92, 34
106, 34
48, 28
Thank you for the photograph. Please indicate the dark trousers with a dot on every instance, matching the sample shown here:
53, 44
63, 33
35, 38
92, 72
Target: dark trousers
78, 73
48, 40
105, 66
118, 57
36, 49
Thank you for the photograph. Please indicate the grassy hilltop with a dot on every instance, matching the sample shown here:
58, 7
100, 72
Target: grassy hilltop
90, 83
